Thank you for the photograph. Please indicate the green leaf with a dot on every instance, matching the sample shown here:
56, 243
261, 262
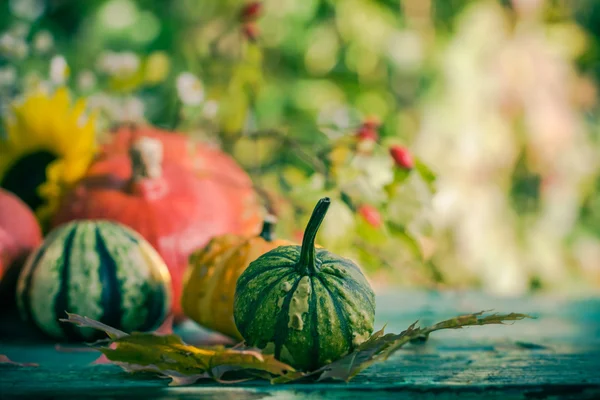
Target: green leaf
426, 173
410, 242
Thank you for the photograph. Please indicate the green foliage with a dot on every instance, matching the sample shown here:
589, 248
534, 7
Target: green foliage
289, 105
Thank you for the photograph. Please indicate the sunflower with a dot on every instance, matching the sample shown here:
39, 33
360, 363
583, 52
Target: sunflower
48, 146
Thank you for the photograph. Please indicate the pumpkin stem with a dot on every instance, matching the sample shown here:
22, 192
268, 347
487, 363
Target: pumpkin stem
146, 158
268, 228
307, 264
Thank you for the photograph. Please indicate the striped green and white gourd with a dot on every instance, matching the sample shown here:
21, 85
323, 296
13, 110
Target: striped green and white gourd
305, 305
98, 269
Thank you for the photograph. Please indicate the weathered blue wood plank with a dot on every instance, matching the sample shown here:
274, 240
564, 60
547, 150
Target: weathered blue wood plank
558, 353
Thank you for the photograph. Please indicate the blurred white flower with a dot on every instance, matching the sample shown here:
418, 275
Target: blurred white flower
334, 118
117, 110
406, 50
8, 76
210, 109
132, 110
118, 14
27, 9
59, 70
189, 89
43, 42
32, 80
20, 30
86, 80
13, 47
100, 102
121, 64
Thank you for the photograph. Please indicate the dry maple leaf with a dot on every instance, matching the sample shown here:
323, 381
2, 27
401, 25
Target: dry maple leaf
170, 357
380, 346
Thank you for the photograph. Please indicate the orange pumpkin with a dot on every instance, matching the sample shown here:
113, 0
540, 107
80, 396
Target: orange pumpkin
20, 232
159, 197
209, 163
209, 283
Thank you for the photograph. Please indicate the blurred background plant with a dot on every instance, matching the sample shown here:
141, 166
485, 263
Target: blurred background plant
458, 139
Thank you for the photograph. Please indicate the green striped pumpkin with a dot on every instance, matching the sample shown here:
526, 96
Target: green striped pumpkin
98, 269
305, 305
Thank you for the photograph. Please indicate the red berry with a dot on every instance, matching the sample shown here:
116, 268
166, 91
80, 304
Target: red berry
366, 133
251, 11
371, 123
371, 215
250, 31
402, 157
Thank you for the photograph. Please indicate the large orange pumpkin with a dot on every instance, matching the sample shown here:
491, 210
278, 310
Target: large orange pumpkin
209, 163
150, 190
20, 234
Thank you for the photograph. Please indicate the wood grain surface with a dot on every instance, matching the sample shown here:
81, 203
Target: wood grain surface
556, 355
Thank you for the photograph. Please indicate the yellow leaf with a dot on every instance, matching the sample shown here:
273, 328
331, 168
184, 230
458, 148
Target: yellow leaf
169, 356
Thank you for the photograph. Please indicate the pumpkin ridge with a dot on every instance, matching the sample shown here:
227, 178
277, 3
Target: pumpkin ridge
61, 304
248, 277
130, 236
23, 295
111, 296
352, 307
340, 312
216, 277
347, 263
49, 293
281, 327
155, 303
242, 325
313, 311
285, 255
93, 268
353, 287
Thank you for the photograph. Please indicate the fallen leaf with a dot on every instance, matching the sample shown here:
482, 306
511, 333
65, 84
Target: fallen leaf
103, 359
86, 322
381, 346
169, 356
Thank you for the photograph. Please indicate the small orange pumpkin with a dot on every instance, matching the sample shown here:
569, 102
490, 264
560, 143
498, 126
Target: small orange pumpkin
212, 274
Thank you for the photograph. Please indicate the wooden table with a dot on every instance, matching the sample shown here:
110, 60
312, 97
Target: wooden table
556, 355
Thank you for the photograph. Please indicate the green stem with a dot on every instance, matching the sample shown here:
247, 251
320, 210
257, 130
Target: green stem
268, 228
307, 264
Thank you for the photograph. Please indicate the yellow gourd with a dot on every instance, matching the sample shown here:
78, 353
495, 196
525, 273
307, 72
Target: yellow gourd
212, 274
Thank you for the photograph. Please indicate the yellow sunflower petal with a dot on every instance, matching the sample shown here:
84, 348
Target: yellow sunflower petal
50, 123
